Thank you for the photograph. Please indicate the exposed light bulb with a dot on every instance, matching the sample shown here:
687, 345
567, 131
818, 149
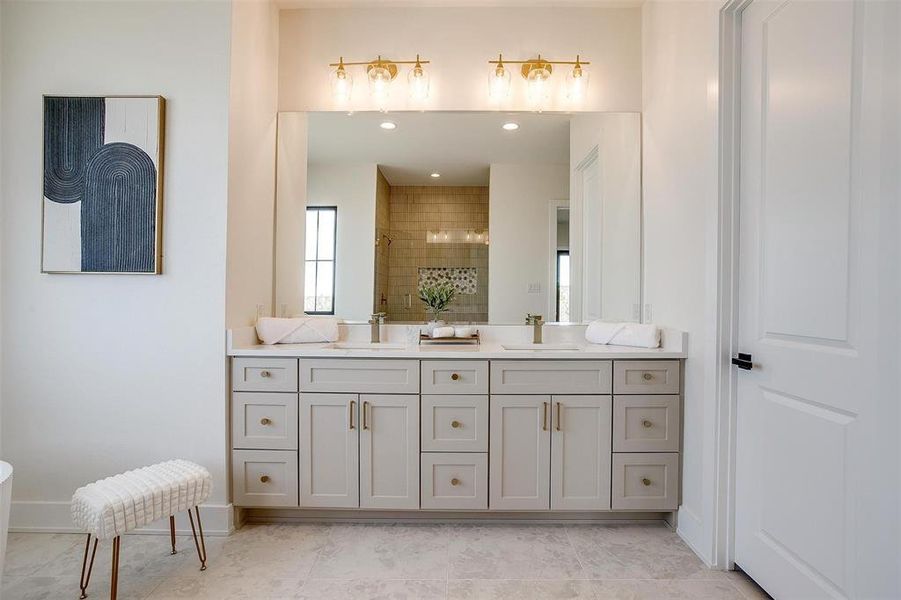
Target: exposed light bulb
419, 82
342, 83
511, 126
388, 125
538, 86
379, 84
499, 81
435, 175
577, 82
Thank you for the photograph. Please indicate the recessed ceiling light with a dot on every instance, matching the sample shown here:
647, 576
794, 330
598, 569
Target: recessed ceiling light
510, 126
389, 125
435, 175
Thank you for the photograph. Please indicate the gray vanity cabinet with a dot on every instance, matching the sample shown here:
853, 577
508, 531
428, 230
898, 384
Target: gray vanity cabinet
329, 450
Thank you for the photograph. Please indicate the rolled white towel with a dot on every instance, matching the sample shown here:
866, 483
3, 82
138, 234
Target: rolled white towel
641, 335
297, 330
464, 332
443, 332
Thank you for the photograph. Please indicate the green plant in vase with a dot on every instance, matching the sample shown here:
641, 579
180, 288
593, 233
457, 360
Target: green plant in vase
437, 298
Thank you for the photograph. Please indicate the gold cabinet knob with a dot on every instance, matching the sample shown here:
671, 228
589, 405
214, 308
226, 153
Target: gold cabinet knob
645, 481
456, 424
455, 376
455, 481
265, 373
265, 421
646, 423
264, 479
648, 376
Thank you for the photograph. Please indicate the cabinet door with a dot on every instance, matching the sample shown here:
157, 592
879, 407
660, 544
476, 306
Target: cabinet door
581, 452
329, 450
520, 452
389, 451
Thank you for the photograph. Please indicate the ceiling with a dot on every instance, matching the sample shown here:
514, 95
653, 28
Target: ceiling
458, 145
289, 4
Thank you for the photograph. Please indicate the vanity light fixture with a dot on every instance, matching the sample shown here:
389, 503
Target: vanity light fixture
341, 82
388, 125
537, 73
510, 126
380, 73
499, 80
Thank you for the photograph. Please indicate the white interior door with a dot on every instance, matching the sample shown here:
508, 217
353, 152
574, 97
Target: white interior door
389, 451
817, 452
329, 450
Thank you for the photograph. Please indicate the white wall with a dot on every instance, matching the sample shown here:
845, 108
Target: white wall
460, 42
680, 75
290, 212
352, 188
519, 199
103, 373
253, 100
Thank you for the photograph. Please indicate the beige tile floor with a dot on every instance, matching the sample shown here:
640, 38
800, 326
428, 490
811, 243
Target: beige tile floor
340, 561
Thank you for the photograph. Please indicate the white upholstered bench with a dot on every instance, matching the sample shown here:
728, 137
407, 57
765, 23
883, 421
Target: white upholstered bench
110, 507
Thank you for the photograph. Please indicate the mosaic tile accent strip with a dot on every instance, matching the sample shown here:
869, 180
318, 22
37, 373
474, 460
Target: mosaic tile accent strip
462, 278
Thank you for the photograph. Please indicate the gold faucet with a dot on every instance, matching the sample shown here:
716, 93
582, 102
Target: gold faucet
375, 321
536, 322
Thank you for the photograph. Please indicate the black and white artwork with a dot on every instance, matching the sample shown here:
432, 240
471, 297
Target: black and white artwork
102, 184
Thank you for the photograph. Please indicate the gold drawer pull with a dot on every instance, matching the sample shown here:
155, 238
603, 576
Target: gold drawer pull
265, 374
455, 481
365, 420
544, 419
265, 421
264, 479
350, 416
455, 376
648, 376
646, 423
456, 424
645, 481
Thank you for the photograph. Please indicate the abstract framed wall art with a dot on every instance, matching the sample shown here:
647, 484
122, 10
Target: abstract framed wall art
103, 184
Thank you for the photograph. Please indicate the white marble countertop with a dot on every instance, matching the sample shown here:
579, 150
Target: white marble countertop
401, 341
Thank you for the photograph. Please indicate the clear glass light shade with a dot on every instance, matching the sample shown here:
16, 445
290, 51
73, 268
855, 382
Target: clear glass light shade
539, 88
342, 84
577, 84
418, 79
499, 83
379, 86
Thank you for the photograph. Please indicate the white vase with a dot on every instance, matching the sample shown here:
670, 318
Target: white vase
6, 486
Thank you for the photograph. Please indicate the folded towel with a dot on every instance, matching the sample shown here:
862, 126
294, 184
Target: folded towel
297, 330
443, 332
464, 332
623, 334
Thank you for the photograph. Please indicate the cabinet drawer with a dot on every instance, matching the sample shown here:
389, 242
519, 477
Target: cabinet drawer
551, 376
265, 420
645, 481
363, 376
455, 423
455, 377
646, 423
264, 374
646, 377
454, 481
264, 477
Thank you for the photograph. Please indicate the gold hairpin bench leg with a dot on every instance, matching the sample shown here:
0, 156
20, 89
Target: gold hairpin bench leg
172, 533
200, 545
114, 573
86, 566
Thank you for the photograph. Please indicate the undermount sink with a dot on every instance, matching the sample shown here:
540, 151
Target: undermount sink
541, 347
366, 346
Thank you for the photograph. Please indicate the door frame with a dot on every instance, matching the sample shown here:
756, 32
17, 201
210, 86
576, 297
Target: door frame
728, 239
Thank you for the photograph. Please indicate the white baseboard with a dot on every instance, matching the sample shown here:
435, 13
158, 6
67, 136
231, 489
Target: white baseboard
56, 517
